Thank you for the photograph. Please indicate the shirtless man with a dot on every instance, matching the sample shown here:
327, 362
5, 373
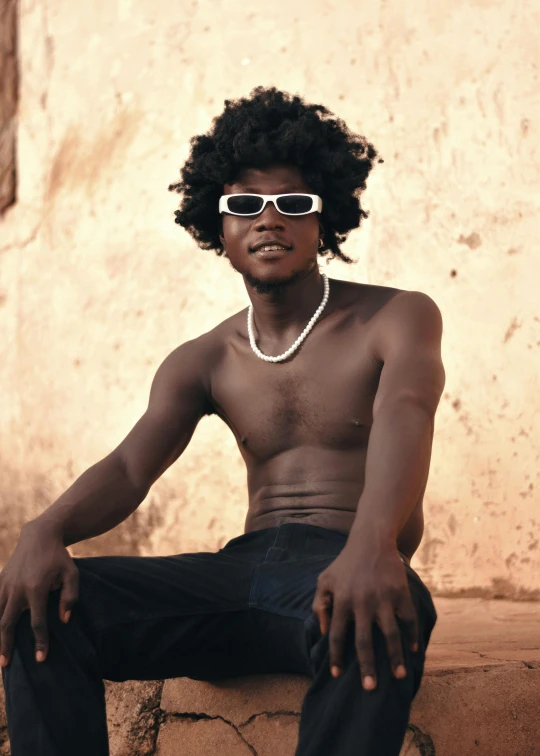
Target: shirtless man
336, 435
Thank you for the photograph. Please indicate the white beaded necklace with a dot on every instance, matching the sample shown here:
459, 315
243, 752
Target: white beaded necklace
302, 336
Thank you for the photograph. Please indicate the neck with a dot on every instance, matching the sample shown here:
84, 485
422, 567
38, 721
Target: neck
283, 312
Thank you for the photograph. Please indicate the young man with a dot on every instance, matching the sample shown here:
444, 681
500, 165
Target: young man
330, 389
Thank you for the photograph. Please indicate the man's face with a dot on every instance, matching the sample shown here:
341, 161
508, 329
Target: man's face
271, 271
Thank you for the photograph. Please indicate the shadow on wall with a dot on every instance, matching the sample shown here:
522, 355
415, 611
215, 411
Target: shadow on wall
23, 500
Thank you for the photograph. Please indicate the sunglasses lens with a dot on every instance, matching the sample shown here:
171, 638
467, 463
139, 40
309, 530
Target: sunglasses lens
295, 204
245, 204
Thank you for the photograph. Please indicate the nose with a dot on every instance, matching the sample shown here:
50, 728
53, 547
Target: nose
270, 218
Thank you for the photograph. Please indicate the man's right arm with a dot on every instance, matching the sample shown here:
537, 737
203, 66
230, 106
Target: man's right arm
110, 491
102, 497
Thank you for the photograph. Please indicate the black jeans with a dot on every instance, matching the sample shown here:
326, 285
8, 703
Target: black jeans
243, 610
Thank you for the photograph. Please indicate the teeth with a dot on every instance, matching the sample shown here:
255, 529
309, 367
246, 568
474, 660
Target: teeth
271, 247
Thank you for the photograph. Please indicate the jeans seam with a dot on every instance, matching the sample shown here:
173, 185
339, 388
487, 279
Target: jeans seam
272, 546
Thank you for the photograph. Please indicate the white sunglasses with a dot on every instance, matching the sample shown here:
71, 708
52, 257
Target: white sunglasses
253, 204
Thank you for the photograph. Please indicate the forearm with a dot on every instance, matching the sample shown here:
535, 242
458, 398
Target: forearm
99, 500
397, 467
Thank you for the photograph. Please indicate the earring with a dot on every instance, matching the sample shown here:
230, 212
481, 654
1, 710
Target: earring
321, 244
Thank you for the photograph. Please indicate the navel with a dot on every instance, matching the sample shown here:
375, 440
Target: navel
243, 440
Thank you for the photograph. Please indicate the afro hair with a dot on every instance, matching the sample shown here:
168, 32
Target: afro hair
273, 127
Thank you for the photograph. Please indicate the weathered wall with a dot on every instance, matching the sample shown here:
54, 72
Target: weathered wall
98, 285
8, 100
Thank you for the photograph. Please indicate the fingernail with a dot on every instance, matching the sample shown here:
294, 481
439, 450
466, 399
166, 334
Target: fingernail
401, 671
369, 682
3, 661
40, 656
67, 615
335, 671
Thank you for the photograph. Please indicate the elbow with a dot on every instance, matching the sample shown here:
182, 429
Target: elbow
139, 487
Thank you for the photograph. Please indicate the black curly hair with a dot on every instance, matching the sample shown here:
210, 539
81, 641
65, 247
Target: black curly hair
273, 127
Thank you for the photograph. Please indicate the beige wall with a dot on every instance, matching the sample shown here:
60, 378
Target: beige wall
8, 100
98, 285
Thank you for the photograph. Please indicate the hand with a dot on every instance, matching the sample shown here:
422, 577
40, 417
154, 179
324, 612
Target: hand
367, 584
39, 564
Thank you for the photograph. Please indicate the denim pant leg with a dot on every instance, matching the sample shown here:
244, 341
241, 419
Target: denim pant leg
137, 618
338, 715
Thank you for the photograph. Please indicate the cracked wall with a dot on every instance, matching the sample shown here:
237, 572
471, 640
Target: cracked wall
98, 285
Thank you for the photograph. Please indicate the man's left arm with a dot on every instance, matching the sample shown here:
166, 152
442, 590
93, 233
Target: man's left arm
410, 387
367, 582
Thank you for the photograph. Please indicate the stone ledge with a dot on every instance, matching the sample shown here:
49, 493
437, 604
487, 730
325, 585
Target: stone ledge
480, 695
487, 710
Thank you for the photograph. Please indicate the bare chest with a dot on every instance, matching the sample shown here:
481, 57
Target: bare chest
323, 397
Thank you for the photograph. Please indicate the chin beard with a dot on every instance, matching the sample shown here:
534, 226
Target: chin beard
268, 287
272, 287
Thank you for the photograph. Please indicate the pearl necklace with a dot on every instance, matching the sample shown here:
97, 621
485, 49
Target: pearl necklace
302, 336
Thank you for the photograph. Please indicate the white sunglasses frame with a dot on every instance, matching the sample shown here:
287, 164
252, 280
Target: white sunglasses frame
269, 198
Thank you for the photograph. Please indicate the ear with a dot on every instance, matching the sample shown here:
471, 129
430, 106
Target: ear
321, 230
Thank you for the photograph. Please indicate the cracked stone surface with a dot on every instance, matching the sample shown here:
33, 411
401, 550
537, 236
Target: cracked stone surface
478, 633
236, 700
480, 692
480, 695
133, 713
198, 737
272, 734
486, 713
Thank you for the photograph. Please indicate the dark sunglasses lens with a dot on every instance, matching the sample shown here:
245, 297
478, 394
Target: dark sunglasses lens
295, 204
245, 204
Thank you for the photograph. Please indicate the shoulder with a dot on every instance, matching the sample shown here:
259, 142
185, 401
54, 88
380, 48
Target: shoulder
394, 316
412, 309
191, 364
387, 301
410, 320
208, 348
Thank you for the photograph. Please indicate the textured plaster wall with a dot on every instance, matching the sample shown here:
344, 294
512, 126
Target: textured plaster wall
8, 100
98, 285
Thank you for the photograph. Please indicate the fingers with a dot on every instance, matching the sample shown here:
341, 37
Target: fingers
38, 621
364, 651
406, 611
321, 607
10, 616
392, 636
69, 593
386, 619
336, 637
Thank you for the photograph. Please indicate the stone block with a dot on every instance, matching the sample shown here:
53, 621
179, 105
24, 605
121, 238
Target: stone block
133, 715
200, 737
272, 734
236, 699
485, 712
4, 740
263, 709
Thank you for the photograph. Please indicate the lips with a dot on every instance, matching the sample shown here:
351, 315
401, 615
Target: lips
270, 243
270, 254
